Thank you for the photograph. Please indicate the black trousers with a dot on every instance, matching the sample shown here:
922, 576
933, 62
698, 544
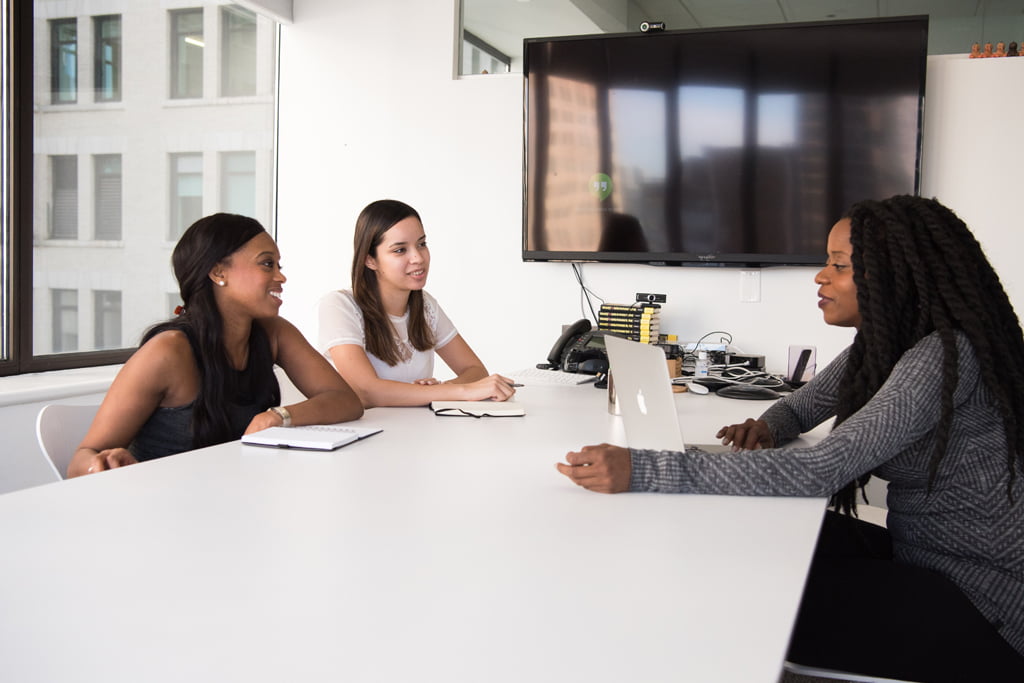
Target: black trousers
863, 613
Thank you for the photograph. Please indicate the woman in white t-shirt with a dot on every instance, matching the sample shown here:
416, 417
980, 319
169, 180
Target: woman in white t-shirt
382, 334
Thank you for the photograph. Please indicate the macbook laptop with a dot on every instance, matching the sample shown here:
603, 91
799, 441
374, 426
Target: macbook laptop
644, 392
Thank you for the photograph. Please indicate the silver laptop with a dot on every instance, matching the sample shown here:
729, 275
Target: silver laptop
644, 391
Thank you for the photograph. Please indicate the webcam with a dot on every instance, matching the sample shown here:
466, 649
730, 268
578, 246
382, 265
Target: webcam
651, 26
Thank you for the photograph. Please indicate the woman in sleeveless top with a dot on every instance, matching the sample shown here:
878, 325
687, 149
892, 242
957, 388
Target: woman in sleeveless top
207, 376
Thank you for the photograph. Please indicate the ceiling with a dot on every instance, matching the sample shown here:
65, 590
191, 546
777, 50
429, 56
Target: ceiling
504, 23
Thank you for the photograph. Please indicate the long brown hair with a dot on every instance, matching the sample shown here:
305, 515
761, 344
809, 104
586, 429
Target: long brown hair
375, 220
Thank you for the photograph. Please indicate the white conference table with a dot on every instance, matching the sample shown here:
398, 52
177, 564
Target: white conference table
443, 549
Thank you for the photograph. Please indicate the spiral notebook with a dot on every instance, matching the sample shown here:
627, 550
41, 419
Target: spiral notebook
311, 437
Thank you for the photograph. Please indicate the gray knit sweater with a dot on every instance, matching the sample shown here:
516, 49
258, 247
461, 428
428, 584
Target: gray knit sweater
965, 529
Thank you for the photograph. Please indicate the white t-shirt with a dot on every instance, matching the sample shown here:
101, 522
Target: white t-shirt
341, 322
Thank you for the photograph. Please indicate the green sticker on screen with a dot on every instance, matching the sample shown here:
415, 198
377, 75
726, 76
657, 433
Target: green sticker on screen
601, 186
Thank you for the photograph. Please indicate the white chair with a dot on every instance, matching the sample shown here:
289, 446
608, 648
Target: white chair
59, 429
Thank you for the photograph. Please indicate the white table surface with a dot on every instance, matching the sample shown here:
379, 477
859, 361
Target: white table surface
444, 548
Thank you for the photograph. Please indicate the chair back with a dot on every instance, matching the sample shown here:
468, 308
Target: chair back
59, 429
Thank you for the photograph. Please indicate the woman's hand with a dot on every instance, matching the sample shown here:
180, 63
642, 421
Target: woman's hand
747, 436
264, 420
493, 387
109, 459
604, 468
426, 381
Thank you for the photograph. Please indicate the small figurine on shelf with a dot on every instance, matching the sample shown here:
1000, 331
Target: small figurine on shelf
987, 52
975, 51
1012, 51
1000, 49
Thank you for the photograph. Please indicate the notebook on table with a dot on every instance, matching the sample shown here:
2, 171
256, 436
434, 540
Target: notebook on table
509, 408
310, 437
644, 392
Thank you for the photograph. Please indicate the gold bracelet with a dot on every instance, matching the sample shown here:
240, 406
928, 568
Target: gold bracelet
282, 412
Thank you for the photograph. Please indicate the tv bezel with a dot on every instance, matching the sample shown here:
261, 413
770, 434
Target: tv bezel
725, 260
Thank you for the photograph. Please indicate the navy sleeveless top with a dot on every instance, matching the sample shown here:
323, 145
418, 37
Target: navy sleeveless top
169, 430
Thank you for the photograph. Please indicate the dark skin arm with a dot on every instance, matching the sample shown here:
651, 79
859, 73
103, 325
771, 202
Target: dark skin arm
603, 468
608, 469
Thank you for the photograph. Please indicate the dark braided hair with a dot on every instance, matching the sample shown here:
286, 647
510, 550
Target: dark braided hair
918, 270
209, 241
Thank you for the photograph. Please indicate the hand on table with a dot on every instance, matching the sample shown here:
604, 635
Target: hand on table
603, 468
748, 435
109, 459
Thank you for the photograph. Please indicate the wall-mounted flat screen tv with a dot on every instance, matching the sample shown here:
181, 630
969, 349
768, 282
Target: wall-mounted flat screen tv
733, 146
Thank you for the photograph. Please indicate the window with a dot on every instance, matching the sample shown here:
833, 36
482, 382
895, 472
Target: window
94, 196
107, 58
186, 192
107, 319
107, 175
238, 55
65, 320
479, 57
64, 61
238, 183
187, 53
64, 204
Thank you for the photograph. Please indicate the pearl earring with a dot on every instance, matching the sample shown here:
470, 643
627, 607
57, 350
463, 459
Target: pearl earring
221, 283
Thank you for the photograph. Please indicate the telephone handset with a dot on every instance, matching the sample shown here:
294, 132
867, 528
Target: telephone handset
579, 349
570, 335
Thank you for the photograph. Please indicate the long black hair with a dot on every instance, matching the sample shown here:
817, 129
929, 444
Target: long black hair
374, 220
209, 241
919, 270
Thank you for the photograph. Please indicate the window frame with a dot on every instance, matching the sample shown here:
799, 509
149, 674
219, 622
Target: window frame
99, 41
55, 52
18, 132
20, 86
176, 38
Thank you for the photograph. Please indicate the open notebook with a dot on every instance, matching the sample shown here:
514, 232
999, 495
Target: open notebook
478, 408
645, 396
311, 437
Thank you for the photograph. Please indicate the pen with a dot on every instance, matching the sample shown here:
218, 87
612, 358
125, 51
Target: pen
514, 386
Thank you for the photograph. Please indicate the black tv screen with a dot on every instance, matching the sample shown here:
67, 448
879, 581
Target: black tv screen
734, 146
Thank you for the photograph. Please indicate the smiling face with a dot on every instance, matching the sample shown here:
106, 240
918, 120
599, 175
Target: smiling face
252, 279
837, 293
402, 259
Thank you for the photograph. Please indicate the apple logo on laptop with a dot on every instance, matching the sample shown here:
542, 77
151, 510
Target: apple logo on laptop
640, 401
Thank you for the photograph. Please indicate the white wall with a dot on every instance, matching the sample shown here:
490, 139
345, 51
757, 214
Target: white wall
369, 110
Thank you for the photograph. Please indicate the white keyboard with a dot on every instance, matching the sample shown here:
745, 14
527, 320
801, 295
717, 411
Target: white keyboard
550, 377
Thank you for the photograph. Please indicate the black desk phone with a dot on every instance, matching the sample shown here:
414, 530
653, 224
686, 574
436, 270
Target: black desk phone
579, 349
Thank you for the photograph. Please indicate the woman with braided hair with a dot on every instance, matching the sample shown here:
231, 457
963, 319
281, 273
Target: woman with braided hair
929, 396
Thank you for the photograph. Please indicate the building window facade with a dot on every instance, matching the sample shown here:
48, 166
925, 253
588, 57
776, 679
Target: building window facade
186, 192
106, 319
107, 58
238, 183
64, 197
64, 61
107, 177
187, 47
65, 320
238, 52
